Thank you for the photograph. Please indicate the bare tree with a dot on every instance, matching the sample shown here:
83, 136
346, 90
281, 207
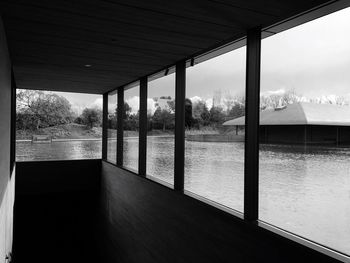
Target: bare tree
273, 101
341, 101
217, 98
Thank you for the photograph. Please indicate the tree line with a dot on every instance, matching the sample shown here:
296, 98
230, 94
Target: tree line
197, 115
37, 109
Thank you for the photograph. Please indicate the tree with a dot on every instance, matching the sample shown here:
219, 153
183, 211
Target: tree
189, 121
36, 109
290, 97
24, 98
131, 121
127, 111
278, 100
201, 113
171, 105
91, 117
197, 109
112, 121
216, 115
341, 101
164, 117
238, 110
228, 101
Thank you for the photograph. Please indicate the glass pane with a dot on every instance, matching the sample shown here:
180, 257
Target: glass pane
214, 151
305, 131
112, 127
131, 128
161, 125
58, 126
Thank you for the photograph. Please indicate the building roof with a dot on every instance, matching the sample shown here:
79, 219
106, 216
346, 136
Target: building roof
302, 113
95, 46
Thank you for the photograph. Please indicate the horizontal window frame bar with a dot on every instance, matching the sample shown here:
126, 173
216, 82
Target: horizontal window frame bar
304, 241
160, 181
217, 205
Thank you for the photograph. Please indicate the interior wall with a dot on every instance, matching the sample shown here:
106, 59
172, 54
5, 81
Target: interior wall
55, 211
6, 184
142, 221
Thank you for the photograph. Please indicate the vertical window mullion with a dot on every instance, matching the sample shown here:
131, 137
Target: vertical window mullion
120, 130
143, 126
104, 126
180, 91
251, 160
13, 123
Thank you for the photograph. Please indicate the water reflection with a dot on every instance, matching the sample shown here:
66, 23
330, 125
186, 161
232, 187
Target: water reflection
160, 158
68, 150
131, 153
307, 192
215, 171
112, 150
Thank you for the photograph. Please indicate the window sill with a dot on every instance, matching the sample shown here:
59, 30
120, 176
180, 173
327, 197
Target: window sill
305, 242
160, 181
215, 204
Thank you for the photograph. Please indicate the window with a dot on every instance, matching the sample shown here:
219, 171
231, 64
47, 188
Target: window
305, 131
57, 126
160, 128
112, 127
131, 127
214, 152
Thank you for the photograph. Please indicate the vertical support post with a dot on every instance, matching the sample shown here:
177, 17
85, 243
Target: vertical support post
104, 126
13, 123
180, 93
120, 128
251, 160
143, 126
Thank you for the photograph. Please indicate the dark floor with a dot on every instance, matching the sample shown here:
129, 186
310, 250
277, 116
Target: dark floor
54, 228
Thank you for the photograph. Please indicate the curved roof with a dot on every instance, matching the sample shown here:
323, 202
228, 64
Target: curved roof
302, 113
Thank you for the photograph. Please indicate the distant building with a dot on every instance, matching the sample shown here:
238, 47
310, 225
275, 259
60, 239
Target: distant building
306, 123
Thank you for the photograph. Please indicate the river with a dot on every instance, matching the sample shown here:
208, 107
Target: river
304, 191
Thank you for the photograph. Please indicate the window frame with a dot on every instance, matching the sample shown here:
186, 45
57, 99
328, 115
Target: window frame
251, 159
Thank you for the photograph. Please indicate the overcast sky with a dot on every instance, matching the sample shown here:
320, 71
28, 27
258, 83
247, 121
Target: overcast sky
80, 101
313, 59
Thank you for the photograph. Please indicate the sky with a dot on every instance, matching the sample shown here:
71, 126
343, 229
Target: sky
312, 59
80, 101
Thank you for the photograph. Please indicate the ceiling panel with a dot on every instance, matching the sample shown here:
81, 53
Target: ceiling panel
51, 41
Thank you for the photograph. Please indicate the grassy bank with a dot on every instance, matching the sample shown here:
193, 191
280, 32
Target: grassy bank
67, 131
78, 131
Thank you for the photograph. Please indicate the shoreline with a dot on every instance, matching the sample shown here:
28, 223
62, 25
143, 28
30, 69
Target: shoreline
91, 139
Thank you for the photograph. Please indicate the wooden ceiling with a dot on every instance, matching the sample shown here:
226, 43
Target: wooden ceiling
51, 42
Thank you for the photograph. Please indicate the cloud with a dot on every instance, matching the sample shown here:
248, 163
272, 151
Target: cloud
196, 99
151, 108
97, 104
77, 108
209, 103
